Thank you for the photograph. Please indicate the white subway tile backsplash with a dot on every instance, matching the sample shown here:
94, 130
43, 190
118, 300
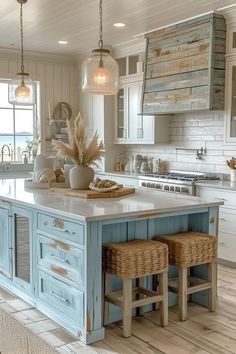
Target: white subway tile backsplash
192, 130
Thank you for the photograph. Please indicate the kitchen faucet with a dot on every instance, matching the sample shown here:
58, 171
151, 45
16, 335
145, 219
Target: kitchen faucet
200, 153
2, 151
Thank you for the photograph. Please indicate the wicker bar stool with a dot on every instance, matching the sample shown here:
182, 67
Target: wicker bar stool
135, 260
188, 249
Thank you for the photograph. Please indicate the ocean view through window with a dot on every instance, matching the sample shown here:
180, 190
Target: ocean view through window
18, 127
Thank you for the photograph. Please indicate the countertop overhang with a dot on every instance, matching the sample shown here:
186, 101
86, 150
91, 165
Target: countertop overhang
143, 203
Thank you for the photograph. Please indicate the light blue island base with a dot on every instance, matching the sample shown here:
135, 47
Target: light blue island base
51, 247
122, 230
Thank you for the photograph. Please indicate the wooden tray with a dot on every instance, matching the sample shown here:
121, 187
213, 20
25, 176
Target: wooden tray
88, 194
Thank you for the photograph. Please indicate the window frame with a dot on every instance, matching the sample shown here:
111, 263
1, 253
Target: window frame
36, 118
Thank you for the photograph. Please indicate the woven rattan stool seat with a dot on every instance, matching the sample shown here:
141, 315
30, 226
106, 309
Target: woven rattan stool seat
135, 259
187, 249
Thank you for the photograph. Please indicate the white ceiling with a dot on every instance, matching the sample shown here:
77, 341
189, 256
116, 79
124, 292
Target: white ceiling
47, 21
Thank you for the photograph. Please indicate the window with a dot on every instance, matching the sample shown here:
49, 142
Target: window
18, 124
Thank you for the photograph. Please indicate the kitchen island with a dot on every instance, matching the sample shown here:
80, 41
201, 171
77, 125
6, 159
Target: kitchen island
50, 246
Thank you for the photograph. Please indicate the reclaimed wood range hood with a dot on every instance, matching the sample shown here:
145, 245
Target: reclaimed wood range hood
185, 66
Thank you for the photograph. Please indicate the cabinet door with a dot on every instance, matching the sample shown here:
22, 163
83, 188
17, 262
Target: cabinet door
231, 43
231, 102
5, 247
127, 109
133, 97
22, 248
121, 113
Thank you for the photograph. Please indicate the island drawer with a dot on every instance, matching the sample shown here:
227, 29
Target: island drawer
64, 298
61, 258
61, 227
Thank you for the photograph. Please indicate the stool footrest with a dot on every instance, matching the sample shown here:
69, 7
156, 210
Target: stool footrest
147, 291
116, 297
147, 301
199, 285
196, 288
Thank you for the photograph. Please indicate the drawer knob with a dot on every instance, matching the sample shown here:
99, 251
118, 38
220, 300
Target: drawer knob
59, 297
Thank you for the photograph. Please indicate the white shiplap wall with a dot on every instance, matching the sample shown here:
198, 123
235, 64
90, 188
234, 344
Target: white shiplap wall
192, 130
58, 76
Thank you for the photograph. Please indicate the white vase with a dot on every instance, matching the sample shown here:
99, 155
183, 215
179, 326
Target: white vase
81, 176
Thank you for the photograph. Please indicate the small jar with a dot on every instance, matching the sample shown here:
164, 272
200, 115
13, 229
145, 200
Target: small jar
233, 175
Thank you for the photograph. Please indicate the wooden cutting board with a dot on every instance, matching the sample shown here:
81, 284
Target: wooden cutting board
88, 194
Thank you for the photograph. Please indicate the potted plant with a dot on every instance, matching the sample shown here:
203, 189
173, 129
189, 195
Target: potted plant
32, 146
82, 153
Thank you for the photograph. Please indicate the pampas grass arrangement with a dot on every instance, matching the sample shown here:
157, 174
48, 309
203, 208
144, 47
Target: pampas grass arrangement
78, 150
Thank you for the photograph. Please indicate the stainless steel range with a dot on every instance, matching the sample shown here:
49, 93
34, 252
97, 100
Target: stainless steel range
174, 181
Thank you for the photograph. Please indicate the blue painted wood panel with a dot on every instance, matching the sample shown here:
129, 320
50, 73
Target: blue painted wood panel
5, 238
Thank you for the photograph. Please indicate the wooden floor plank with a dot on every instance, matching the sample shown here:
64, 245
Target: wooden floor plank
203, 333
129, 345
160, 338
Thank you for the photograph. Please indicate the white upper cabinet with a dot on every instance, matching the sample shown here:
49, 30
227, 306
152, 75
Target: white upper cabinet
230, 88
230, 127
130, 126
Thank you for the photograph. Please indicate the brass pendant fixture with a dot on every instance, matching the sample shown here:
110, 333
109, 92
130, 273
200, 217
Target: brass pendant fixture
22, 90
100, 71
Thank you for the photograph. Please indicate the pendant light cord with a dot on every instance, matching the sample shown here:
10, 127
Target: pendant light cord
100, 42
21, 33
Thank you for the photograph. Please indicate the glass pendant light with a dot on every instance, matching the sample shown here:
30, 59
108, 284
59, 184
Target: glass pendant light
100, 71
22, 90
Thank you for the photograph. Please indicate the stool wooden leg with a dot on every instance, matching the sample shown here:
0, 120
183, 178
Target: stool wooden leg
127, 307
212, 277
107, 290
182, 293
163, 289
140, 282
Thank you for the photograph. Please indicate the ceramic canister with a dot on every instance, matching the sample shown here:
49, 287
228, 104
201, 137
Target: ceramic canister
233, 175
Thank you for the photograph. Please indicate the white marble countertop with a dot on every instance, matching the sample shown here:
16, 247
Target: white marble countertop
227, 185
142, 203
119, 174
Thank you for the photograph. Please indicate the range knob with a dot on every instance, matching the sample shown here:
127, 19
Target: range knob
172, 188
144, 184
152, 185
184, 190
177, 189
166, 188
157, 186
148, 184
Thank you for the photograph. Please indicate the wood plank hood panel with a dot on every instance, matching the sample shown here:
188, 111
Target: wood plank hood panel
185, 66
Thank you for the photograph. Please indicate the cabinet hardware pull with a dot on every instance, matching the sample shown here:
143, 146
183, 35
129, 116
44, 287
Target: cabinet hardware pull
221, 199
223, 219
59, 297
60, 259
58, 229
